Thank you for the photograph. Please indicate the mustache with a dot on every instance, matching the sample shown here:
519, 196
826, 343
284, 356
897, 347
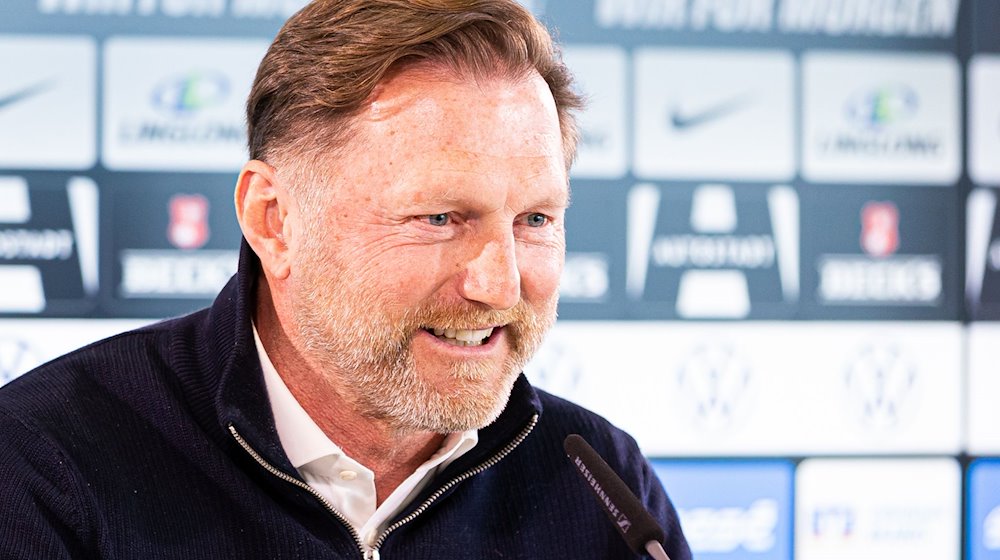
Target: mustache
464, 316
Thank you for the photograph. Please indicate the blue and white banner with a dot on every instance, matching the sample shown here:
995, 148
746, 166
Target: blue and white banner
732, 510
983, 503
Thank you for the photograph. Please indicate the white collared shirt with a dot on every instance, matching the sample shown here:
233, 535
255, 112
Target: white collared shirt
347, 484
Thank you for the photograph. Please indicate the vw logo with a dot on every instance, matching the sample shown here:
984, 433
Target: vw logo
556, 368
715, 381
880, 383
16, 357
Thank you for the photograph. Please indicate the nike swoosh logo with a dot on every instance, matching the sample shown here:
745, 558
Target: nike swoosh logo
30, 91
686, 121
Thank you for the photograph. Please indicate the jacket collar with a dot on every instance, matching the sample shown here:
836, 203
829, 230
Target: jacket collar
240, 396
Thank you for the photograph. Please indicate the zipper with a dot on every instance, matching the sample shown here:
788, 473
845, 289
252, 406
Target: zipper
372, 553
292, 480
451, 483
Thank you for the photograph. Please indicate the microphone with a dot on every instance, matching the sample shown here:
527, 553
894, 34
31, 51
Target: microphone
641, 532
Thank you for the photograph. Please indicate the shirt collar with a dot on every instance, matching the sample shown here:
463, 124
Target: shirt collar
301, 438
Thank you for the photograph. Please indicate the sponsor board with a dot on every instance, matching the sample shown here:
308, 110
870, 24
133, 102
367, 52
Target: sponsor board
984, 119
600, 73
734, 509
763, 388
48, 98
878, 18
876, 509
190, 9
172, 250
879, 253
48, 244
712, 251
725, 17
714, 114
177, 104
983, 387
983, 502
28, 343
881, 118
837, 18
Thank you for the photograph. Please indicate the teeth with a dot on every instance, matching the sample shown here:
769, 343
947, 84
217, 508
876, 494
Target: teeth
463, 337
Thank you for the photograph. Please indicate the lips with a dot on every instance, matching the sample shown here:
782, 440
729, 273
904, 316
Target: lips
461, 337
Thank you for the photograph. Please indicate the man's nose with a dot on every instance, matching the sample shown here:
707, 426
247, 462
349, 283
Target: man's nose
491, 276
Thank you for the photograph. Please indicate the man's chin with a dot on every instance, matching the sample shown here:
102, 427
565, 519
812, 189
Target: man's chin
468, 419
468, 408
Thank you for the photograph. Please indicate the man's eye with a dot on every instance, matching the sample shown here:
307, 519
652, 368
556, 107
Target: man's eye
438, 219
537, 220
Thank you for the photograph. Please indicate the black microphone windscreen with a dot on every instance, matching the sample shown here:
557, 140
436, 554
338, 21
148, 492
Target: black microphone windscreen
624, 510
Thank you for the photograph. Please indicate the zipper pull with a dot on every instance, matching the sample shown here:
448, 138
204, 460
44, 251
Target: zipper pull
371, 554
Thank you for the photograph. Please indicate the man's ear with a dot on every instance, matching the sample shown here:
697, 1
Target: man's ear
262, 208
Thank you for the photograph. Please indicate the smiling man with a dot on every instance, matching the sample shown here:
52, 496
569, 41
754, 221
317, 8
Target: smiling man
355, 391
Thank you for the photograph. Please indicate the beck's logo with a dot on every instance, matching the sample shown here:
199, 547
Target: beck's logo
879, 228
188, 221
879, 273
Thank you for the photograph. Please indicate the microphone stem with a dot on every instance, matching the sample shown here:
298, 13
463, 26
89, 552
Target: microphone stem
656, 551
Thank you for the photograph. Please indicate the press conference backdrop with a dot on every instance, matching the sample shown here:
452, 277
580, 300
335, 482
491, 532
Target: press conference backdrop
783, 268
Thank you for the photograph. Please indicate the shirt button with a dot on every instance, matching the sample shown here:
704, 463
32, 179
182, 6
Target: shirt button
348, 475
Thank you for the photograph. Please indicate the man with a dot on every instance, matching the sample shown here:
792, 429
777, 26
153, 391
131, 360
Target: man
354, 392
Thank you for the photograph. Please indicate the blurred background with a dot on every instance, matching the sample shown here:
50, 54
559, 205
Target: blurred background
783, 261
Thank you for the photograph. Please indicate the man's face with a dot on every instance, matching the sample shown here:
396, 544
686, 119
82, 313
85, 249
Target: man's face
430, 273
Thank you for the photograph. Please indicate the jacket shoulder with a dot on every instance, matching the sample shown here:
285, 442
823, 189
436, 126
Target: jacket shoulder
78, 378
567, 417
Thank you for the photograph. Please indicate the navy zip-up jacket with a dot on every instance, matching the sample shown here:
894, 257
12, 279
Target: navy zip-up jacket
160, 443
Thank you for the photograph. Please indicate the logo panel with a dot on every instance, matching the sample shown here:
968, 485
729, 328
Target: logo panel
177, 104
713, 251
48, 244
983, 389
48, 102
170, 251
732, 510
878, 509
870, 253
703, 389
600, 73
714, 115
984, 119
983, 537
881, 118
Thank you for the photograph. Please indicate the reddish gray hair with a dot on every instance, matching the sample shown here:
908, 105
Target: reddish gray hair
327, 60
